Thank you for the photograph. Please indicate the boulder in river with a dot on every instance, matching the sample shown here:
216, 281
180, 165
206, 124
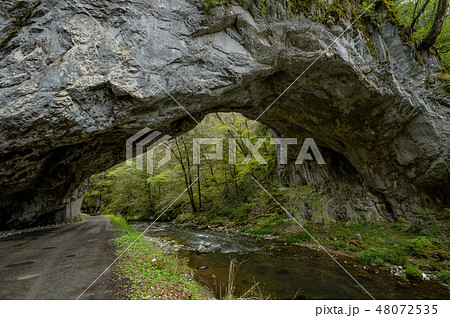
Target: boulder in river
201, 249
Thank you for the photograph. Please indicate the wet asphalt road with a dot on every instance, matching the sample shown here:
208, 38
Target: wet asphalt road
58, 263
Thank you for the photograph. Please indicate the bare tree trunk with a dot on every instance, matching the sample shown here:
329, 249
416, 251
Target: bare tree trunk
236, 185
224, 166
199, 188
419, 13
149, 187
189, 173
185, 173
211, 170
436, 29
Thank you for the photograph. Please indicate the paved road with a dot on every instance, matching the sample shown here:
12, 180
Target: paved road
58, 263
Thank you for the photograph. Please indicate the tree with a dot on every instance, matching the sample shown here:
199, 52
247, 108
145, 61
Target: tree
429, 40
427, 22
183, 159
416, 14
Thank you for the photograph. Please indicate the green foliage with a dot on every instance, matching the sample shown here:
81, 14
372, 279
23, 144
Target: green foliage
379, 256
122, 190
413, 273
148, 272
371, 256
421, 246
338, 245
445, 77
266, 224
444, 277
78, 219
226, 190
298, 237
302, 198
211, 4
366, 7
405, 10
119, 224
421, 221
262, 6
241, 212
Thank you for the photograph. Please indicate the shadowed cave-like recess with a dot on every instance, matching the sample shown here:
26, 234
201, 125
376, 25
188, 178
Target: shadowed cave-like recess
71, 96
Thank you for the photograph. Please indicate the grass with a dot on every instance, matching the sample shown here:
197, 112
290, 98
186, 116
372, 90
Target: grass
421, 247
445, 277
148, 273
420, 241
298, 237
78, 219
413, 273
380, 256
338, 245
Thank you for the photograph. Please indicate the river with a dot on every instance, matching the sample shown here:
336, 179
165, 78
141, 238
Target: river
285, 271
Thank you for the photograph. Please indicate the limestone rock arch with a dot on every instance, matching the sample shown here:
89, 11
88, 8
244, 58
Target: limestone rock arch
78, 78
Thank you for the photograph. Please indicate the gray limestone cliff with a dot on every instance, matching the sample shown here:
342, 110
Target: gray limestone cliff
78, 77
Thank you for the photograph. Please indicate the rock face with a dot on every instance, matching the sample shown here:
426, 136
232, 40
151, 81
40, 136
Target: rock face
79, 77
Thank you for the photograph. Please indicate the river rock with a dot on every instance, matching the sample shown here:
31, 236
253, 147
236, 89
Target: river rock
189, 275
77, 78
203, 249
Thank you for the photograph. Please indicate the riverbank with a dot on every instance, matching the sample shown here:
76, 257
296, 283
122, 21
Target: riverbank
413, 250
280, 269
166, 276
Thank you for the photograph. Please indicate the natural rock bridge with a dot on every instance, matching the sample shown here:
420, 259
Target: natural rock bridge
79, 77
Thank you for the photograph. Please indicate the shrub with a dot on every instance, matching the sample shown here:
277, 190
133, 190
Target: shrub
263, 231
270, 220
216, 221
370, 256
379, 256
268, 224
421, 221
119, 223
241, 212
445, 277
298, 237
413, 273
337, 245
421, 246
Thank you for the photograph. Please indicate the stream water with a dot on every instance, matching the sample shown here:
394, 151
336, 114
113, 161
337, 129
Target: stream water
285, 271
